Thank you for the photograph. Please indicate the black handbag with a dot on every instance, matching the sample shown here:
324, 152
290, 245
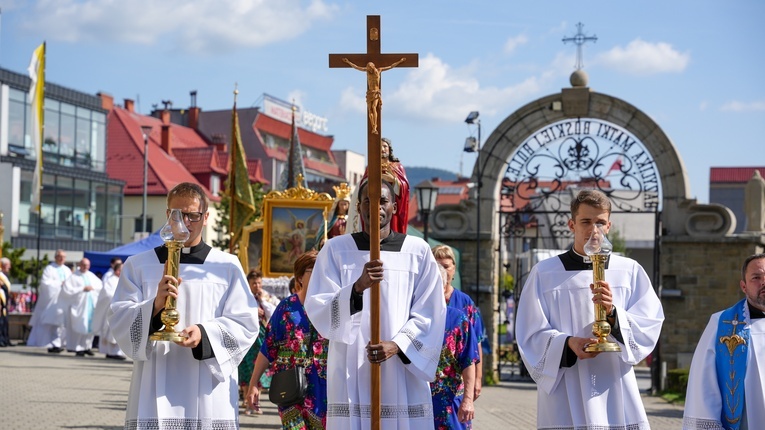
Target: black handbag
290, 386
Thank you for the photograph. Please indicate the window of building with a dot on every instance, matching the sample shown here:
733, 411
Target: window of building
72, 208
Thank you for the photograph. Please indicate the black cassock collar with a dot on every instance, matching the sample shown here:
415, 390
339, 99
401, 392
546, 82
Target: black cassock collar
392, 243
195, 255
754, 313
573, 261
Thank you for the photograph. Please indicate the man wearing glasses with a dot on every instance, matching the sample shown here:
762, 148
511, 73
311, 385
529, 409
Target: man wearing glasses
192, 383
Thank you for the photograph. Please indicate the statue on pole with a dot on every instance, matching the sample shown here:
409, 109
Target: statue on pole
374, 95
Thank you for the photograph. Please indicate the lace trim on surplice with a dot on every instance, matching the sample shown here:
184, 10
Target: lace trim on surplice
180, 424
386, 411
701, 424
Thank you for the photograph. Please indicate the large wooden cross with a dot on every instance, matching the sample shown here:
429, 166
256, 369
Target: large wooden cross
373, 62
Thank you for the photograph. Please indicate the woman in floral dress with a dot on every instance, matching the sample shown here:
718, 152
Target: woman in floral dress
453, 387
290, 340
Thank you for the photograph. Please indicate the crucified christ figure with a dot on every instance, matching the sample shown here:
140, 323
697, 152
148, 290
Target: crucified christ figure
374, 96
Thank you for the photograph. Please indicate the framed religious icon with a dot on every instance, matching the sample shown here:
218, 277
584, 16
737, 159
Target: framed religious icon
291, 221
251, 246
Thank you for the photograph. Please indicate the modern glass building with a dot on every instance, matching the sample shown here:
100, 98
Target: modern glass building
81, 207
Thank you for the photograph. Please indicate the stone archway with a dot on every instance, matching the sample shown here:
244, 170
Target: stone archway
683, 220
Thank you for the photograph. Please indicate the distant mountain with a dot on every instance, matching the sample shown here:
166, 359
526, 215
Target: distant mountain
415, 175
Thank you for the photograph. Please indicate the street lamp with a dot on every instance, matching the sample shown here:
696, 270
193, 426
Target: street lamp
427, 193
146, 129
472, 118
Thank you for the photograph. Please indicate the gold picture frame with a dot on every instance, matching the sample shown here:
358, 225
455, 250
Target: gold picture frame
291, 219
251, 246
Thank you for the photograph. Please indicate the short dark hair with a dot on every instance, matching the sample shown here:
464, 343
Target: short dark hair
254, 274
190, 190
746, 264
365, 183
594, 198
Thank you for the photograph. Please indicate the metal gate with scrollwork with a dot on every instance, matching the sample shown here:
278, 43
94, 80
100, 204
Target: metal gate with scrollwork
543, 174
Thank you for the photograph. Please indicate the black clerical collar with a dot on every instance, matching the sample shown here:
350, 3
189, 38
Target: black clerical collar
754, 313
573, 261
392, 243
193, 255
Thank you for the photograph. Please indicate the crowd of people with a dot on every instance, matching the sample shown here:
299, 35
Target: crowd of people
234, 336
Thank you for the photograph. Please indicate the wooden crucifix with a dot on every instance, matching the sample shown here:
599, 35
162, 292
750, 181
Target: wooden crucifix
373, 63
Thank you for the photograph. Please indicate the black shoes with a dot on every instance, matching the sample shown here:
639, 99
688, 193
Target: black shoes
80, 353
55, 350
89, 353
115, 357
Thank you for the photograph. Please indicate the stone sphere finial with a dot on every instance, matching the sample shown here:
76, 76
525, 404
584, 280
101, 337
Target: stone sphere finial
579, 79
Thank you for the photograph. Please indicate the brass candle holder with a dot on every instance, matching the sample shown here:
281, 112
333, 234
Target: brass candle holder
598, 248
175, 234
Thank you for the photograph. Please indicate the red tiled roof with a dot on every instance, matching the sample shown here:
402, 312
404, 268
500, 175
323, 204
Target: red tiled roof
254, 168
124, 158
449, 192
733, 175
200, 160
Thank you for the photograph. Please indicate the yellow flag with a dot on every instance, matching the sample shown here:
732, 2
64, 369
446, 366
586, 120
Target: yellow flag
242, 204
36, 97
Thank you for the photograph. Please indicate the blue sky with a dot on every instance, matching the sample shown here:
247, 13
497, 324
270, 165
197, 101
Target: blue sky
696, 67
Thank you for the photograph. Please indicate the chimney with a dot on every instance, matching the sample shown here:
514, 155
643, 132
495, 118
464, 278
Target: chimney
194, 117
129, 105
219, 141
166, 137
165, 117
107, 101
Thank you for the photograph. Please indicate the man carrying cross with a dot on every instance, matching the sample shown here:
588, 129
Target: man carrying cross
412, 318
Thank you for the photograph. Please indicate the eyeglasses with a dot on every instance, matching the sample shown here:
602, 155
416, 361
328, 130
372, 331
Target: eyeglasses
192, 216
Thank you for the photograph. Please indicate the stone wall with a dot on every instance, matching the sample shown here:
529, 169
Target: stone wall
699, 277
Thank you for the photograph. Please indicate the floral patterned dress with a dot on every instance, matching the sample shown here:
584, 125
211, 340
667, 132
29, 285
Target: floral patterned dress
288, 337
462, 301
248, 362
460, 350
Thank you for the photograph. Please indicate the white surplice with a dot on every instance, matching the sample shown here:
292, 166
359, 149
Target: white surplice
413, 312
48, 317
107, 344
703, 400
78, 307
598, 393
170, 389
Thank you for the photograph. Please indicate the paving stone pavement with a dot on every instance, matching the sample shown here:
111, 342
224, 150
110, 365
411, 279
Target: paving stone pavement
60, 391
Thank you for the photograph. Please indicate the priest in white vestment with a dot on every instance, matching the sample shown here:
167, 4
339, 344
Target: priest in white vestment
577, 389
192, 384
726, 386
107, 344
48, 317
412, 318
80, 295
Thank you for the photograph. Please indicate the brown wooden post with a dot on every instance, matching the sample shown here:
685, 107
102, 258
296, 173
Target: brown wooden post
373, 62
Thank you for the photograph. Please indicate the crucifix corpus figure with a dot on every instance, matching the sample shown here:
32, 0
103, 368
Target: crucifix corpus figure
374, 95
346, 306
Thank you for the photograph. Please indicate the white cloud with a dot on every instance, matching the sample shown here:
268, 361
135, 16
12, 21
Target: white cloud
437, 93
199, 26
704, 105
736, 106
514, 42
644, 58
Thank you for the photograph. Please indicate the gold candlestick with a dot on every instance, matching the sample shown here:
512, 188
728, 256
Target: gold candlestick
598, 248
175, 234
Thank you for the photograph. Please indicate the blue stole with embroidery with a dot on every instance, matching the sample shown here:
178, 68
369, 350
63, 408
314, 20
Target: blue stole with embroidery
730, 360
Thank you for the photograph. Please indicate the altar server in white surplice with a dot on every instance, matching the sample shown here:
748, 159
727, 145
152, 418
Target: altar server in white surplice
48, 317
79, 297
192, 384
577, 389
107, 344
412, 318
726, 387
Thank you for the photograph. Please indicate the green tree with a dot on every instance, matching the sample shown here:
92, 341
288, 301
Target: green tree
618, 241
21, 270
222, 221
